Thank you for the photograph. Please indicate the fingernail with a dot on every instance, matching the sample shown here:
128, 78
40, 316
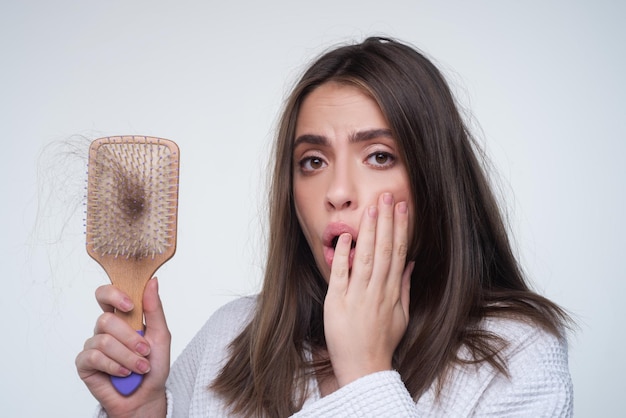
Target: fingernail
143, 349
387, 199
372, 211
402, 207
346, 238
143, 366
126, 304
123, 371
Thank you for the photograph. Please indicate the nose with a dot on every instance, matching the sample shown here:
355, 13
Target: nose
341, 192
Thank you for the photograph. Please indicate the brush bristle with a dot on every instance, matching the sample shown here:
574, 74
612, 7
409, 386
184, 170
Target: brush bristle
132, 197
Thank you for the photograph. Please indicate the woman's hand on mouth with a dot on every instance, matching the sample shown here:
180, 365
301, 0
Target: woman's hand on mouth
366, 310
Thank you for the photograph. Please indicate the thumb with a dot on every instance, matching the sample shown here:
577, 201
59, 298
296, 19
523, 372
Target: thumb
158, 336
156, 324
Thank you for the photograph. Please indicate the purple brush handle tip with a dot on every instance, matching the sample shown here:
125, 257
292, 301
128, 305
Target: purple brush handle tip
128, 384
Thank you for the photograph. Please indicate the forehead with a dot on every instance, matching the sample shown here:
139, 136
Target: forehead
337, 107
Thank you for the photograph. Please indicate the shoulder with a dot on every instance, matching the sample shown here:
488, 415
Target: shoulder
538, 380
212, 340
240, 308
202, 359
528, 341
223, 326
231, 318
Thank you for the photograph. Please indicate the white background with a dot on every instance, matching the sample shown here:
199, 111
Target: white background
543, 80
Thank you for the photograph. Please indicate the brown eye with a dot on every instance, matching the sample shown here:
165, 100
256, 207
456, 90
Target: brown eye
311, 164
381, 159
315, 163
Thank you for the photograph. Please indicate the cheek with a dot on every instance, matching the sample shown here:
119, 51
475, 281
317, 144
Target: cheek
396, 185
303, 207
308, 199
299, 196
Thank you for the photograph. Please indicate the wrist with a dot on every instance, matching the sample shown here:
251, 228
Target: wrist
156, 406
345, 377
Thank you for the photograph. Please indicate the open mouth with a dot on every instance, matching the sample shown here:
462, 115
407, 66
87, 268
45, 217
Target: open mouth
331, 238
329, 252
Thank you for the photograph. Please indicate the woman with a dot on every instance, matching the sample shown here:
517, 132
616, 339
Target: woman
390, 287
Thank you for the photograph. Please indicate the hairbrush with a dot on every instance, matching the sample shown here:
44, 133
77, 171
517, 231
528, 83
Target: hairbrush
132, 204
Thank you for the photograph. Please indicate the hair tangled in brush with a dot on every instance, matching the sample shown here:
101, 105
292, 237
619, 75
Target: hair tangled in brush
130, 197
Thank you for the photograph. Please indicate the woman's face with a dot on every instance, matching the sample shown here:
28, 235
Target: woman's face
345, 158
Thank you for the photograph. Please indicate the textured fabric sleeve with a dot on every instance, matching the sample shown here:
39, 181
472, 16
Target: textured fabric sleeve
180, 382
538, 385
380, 395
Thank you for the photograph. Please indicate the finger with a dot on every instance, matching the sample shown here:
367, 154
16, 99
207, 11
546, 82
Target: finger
111, 298
384, 239
107, 350
363, 262
89, 362
340, 270
115, 327
400, 244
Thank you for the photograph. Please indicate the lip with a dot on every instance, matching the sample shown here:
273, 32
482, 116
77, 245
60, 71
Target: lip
332, 231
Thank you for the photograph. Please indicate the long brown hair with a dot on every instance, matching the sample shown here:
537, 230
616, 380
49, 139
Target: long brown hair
465, 269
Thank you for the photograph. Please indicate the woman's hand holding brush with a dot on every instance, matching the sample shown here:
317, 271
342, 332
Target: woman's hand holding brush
117, 350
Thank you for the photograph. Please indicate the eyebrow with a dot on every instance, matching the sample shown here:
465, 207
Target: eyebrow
359, 136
